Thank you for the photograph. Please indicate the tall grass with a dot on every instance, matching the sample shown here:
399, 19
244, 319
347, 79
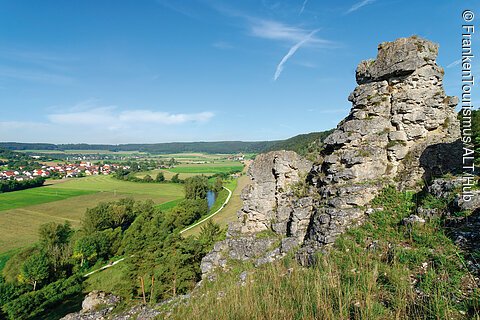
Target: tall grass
381, 270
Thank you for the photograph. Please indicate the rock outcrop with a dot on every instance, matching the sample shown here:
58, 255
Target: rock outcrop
99, 305
96, 305
269, 201
402, 128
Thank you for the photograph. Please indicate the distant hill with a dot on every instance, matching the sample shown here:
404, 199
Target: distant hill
300, 143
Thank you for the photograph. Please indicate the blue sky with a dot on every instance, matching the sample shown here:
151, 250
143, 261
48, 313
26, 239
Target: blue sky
145, 71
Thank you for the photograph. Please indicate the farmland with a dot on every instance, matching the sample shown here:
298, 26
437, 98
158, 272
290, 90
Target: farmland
22, 212
189, 169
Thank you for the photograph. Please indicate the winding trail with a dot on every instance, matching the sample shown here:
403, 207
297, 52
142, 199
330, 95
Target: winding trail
186, 229
211, 215
104, 267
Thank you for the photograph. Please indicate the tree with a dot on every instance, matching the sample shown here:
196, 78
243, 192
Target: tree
55, 240
85, 249
172, 162
35, 269
218, 185
148, 178
110, 215
196, 187
175, 179
160, 177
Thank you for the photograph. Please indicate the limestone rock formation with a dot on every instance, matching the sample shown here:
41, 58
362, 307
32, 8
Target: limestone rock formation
268, 202
402, 128
96, 305
99, 305
271, 204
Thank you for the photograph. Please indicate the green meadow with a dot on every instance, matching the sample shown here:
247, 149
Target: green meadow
204, 169
23, 212
23, 198
187, 170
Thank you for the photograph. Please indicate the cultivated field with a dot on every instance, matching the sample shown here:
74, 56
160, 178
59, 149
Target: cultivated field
24, 211
186, 170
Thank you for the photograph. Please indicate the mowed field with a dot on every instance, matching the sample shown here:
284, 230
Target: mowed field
188, 170
22, 212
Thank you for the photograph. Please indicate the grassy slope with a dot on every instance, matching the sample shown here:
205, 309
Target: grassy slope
4, 257
18, 227
413, 272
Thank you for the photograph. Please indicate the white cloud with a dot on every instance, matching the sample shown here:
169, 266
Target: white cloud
147, 116
359, 5
89, 122
274, 30
291, 52
114, 119
93, 117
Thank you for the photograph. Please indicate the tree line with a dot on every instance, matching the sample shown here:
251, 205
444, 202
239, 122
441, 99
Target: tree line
225, 147
15, 185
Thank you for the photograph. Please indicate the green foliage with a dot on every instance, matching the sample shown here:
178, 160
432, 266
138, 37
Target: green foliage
303, 144
28, 305
14, 264
148, 178
393, 143
207, 169
175, 179
196, 187
99, 245
380, 270
160, 177
218, 185
163, 264
14, 185
55, 241
112, 215
209, 234
35, 270
185, 213
17, 161
301, 187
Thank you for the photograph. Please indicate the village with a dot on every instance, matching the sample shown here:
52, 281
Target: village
71, 170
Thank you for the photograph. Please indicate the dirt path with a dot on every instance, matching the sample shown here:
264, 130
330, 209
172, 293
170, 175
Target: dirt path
212, 215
